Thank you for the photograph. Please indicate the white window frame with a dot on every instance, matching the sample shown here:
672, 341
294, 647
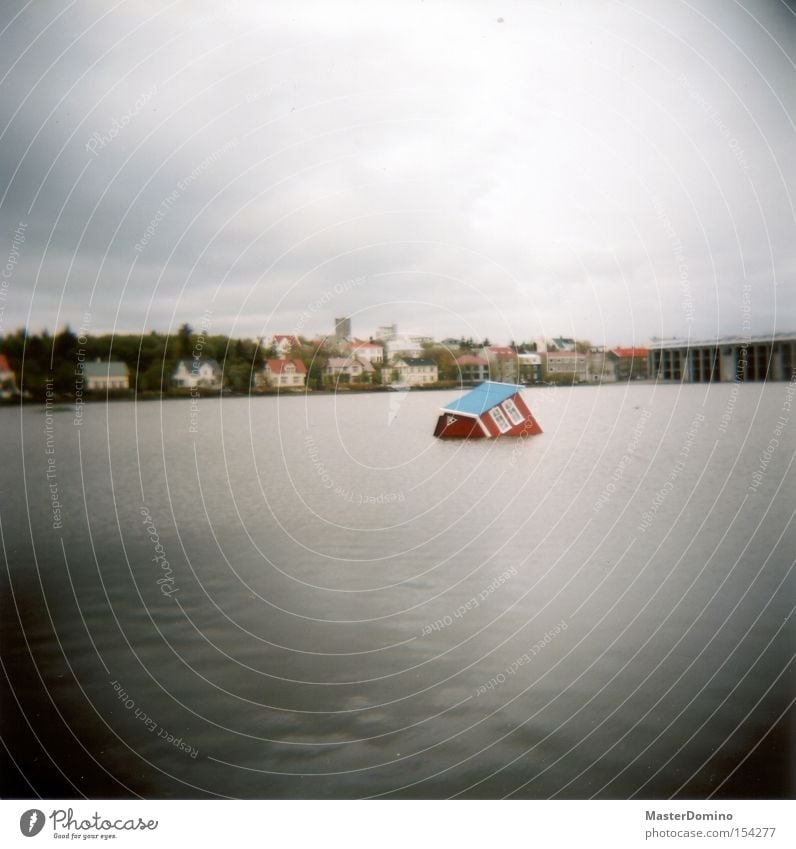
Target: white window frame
497, 417
512, 411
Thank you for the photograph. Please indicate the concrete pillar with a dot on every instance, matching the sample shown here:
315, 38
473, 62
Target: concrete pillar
726, 364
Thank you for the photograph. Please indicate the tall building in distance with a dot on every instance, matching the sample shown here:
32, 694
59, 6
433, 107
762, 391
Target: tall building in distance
342, 329
387, 332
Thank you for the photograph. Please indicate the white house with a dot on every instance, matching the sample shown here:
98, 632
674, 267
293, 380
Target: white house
347, 368
198, 372
102, 376
285, 374
366, 352
415, 371
530, 365
602, 367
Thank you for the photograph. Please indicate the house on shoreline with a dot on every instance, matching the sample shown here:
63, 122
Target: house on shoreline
472, 369
112, 376
281, 344
283, 374
415, 371
8, 380
565, 365
366, 352
503, 363
348, 370
192, 374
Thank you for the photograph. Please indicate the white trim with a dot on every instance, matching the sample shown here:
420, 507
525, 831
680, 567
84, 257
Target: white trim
496, 412
514, 414
459, 413
483, 427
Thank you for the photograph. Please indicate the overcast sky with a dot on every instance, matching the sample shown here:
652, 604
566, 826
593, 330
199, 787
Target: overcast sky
610, 171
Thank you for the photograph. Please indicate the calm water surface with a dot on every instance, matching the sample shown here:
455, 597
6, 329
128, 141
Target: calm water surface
312, 597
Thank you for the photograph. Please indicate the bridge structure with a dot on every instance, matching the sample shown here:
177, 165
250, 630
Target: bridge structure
726, 359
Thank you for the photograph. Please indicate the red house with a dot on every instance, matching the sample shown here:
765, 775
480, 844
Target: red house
289, 374
490, 410
8, 380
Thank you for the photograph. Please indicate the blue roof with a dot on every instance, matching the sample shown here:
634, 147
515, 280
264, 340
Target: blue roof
489, 394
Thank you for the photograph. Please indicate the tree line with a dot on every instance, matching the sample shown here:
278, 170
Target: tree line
39, 358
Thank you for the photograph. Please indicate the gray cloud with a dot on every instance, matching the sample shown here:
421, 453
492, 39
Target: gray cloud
600, 170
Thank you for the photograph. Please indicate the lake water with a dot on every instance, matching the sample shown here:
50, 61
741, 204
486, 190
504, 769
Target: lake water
312, 597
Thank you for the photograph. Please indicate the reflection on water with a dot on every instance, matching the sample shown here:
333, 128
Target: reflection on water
312, 597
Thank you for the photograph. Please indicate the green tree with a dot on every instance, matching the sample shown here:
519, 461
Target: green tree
185, 340
156, 378
239, 376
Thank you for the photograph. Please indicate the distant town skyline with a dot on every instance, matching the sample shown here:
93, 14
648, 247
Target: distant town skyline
204, 325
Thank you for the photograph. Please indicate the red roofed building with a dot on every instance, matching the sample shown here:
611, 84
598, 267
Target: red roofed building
631, 352
503, 363
8, 380
283, 344
630, 362
366, 352
285, 374
472, 369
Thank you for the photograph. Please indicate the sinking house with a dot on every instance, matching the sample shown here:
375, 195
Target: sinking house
490, 410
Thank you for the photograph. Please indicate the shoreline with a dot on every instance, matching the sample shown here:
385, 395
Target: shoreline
132, 396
